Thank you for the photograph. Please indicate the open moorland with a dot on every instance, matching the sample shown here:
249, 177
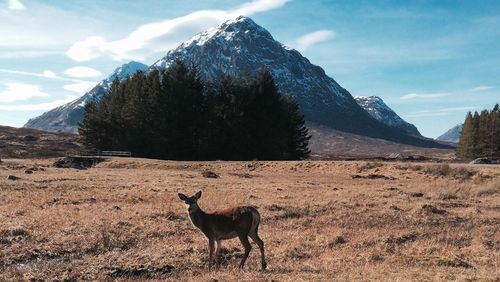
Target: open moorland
122, 220
31, 143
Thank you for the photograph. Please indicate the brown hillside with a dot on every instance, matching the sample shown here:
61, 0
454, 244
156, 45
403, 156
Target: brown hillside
31, 143
327, 143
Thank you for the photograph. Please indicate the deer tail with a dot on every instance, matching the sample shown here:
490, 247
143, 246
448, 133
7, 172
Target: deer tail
255, 219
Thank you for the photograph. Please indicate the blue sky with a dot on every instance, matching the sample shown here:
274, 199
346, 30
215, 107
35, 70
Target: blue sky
431, 61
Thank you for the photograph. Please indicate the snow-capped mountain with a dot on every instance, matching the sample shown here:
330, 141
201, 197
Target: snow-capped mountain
452, 135
66, 117
239, 46
379, 110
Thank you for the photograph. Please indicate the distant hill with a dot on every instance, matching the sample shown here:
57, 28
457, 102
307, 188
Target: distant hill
452, 135
376, 107
30, 143
327, 143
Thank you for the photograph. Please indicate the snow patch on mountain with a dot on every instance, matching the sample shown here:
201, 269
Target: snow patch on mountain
379, 110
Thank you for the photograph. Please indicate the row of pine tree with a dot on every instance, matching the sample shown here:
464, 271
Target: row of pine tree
480, 135
173, 114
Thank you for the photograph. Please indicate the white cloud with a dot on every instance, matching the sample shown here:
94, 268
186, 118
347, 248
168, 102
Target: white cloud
37, 107
423, 96
45, 74
16, 5
481, 88
306, 41
80, 87
257, 6
20, 92
49, 74
440, 112
425, 115
162, 35
81, 72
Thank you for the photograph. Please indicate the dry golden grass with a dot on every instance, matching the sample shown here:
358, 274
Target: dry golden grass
123, 220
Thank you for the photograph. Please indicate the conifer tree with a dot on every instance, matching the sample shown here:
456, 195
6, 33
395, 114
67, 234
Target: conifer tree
173, 114
465, 143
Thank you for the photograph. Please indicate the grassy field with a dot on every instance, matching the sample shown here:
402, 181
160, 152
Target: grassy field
321, 221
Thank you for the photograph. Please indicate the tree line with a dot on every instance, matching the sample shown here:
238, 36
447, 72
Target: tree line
174, 114
480, 136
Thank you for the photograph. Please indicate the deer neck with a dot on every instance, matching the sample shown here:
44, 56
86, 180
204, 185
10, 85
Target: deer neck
196, 214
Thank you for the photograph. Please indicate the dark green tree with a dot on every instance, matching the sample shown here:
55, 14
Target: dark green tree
173, 114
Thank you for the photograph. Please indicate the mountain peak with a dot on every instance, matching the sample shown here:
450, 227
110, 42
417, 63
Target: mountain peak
127, 69
452, 135
239, 29
379, 110
239, 23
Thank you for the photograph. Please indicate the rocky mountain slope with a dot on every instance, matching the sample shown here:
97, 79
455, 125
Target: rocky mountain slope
239, 46
452, 135
66, 117
376, 107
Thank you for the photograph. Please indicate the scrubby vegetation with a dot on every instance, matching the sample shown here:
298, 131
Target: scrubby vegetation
123, 221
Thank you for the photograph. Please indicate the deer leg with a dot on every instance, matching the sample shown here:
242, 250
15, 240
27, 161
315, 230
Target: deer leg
217, 253
255, 237
210, 253
247, 246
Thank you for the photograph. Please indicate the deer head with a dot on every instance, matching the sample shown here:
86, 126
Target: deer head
191, 202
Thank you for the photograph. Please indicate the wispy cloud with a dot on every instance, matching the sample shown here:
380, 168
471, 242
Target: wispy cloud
307, 40
424, 96
481, 88
162, 35
37, 107
45, 74
82, 72
439, 112
425, 115
20, 92
80, 87
16, 5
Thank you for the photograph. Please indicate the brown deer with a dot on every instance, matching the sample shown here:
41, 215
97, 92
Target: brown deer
229, 223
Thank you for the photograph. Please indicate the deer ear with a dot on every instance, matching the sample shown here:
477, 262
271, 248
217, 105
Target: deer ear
197, 195
182, 197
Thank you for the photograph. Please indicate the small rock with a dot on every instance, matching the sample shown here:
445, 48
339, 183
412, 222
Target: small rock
432, 209
13, 177
394, 207
28, 171
340, 240
30, 138
275, 207
209, 174
416, 194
